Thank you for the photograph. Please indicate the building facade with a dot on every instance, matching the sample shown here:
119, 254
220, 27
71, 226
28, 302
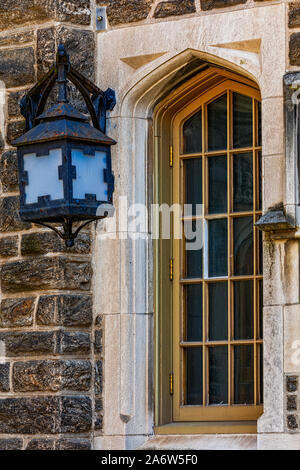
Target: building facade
128, 340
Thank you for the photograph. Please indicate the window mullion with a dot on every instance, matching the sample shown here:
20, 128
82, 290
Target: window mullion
255, 204
204, 256
229, 249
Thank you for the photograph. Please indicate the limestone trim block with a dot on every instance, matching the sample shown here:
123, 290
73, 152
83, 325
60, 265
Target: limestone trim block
15, 13
292, 339
126, 11
212, 4
272, 419
174, 8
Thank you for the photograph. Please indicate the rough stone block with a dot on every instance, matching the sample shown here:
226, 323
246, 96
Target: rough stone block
13, 39
4, 377
126, 11
98, 405
40, 444
9, 215
75, 310
174, 8
294, 49
17, 312
52, 376
28, 342
46, 50
65, 310
98, 341
74, 343
291, 404
46, 310
98, 377
17, 66
45, 415
291, 383
35, 415
14, 12
76, 414
74, 11
36, 376
76, 375
11, 444
14, 130
46, 242
46, 273
292, 422
13, 103
294, 15
73, 444
9, 246
9, 171
98, 424
211, 4
2, 143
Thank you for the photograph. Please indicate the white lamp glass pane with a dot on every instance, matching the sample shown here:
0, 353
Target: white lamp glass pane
89, 175
43, 176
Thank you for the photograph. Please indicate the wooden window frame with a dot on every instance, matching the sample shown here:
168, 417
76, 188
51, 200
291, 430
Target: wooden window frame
230, 412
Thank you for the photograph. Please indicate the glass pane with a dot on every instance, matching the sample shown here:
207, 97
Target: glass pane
217, 184
259, 162
89, 175
193, 247
260, 308
218, 375
217, 124
193, 183
43, 177
243, 245
242, 121
243, 310
259, 123
243, 182
193, 302
217, 252
192, 134
243, 374
194, 367
261, 372
218, 308
260, 252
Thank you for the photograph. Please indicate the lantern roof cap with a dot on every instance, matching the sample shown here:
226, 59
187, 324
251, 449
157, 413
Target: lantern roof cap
60, 111
63, 121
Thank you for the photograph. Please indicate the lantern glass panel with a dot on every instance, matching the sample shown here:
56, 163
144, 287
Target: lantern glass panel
89, 175
43, 176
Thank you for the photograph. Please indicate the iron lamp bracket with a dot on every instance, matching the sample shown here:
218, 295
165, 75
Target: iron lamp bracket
97, 100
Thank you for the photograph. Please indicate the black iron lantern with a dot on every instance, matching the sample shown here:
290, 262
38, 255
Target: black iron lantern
65, 174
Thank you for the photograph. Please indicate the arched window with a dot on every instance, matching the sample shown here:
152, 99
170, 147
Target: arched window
217, 275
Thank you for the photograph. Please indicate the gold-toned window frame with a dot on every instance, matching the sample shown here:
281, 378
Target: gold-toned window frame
182, 104
182, 412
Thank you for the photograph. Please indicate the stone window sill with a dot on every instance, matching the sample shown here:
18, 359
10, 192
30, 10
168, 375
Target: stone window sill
200, 441
220, 427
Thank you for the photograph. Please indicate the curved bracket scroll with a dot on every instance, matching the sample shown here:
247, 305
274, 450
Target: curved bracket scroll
97, 101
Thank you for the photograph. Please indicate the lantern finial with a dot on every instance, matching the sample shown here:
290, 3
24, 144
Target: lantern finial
63, 65
65, 174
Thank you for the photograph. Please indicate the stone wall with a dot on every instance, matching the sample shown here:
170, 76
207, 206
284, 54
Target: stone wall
51, 354
50, 339
127, 12
294, 28
121, 12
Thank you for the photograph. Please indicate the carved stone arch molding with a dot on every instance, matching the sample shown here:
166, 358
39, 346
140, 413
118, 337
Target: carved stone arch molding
124, 267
